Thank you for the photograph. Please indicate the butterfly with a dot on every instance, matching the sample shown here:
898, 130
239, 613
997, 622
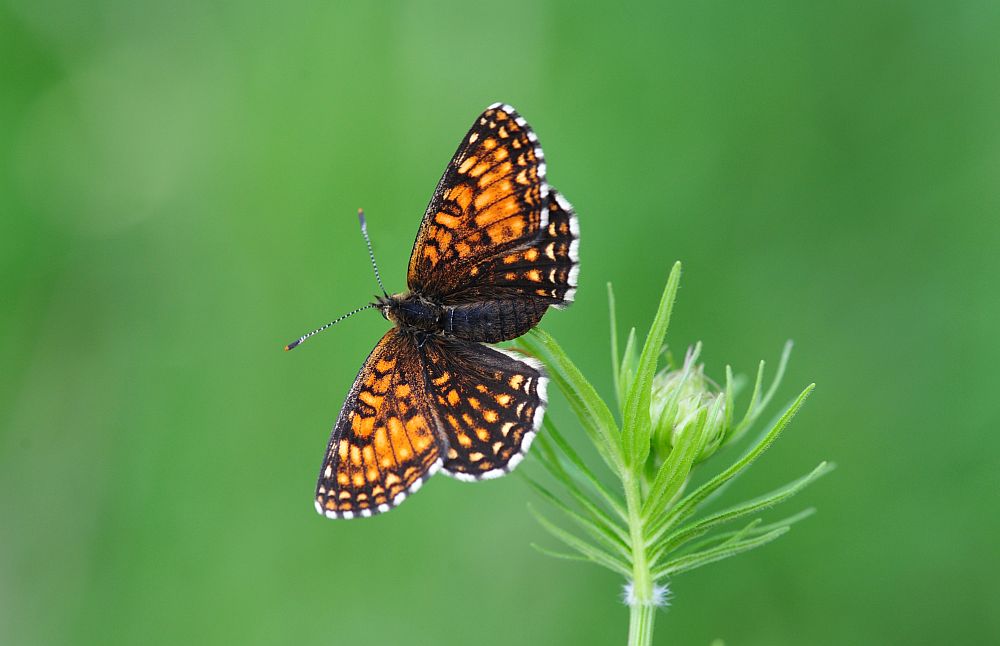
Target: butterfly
496, 248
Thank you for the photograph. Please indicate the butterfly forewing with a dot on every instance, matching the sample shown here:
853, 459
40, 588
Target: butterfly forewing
384, 443
489, 403
492, 197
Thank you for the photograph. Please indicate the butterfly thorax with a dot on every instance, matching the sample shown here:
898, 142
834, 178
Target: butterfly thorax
413, 312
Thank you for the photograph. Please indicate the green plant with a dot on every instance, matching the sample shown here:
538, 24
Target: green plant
649, 527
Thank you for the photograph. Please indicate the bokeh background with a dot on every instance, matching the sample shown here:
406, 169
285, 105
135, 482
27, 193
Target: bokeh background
178, 184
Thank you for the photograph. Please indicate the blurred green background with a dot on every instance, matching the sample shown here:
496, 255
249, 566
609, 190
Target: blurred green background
178, 184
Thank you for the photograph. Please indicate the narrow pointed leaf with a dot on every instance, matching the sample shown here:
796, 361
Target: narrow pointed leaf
758, 401
571, 481
786, 353
758, 504
730, 397
675, 469
743, 533
616, 366
636, 423
717, 540
688, 505
614, 502
589, 550
549, 459
627, 374
593, 413
598, 531
559, 555
751, 413
698, 559
753, 529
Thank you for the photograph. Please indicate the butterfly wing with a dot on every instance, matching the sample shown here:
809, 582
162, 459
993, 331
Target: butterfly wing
384, 443
544, 270
491, 198
489, 403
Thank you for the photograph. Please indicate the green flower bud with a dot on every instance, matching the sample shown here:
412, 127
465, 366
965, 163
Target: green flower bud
684, 401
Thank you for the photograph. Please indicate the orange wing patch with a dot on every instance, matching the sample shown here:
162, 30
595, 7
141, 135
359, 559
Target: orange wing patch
492, 197
384, 444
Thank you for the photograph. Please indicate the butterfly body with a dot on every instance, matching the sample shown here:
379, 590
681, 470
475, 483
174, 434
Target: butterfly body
497, 247
484, 321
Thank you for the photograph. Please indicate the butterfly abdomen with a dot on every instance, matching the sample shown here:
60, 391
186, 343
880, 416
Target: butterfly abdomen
494, 321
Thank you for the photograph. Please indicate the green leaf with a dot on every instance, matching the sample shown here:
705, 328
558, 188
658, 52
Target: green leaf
616, 366
590, 409
614, 502
744, 532
688, 505
636, 423
553, 463
560, 555
752, 408
753, 529
730, 396
607, 534
673, 473
760, 503
571, 479
727, 538
589, 550
758, 402
698, 559
786, 353
627, 374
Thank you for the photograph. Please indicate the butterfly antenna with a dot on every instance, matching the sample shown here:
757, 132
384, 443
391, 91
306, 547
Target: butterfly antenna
299, 340
371, 254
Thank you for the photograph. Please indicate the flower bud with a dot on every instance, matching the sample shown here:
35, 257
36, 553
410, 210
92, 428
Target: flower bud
685, 400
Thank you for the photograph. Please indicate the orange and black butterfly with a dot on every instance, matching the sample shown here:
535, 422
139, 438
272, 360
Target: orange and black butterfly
496, 248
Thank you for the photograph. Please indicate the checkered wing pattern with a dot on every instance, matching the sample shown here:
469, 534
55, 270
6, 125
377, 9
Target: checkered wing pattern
491, 198
384, 444
544, 270
489, 403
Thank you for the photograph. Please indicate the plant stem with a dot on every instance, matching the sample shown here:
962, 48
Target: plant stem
642, 607
640, 626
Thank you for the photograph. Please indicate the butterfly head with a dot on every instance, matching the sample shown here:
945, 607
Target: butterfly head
388, 305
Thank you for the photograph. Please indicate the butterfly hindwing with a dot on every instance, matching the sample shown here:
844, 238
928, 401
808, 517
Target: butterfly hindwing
384, 444
489, 403
492, 197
